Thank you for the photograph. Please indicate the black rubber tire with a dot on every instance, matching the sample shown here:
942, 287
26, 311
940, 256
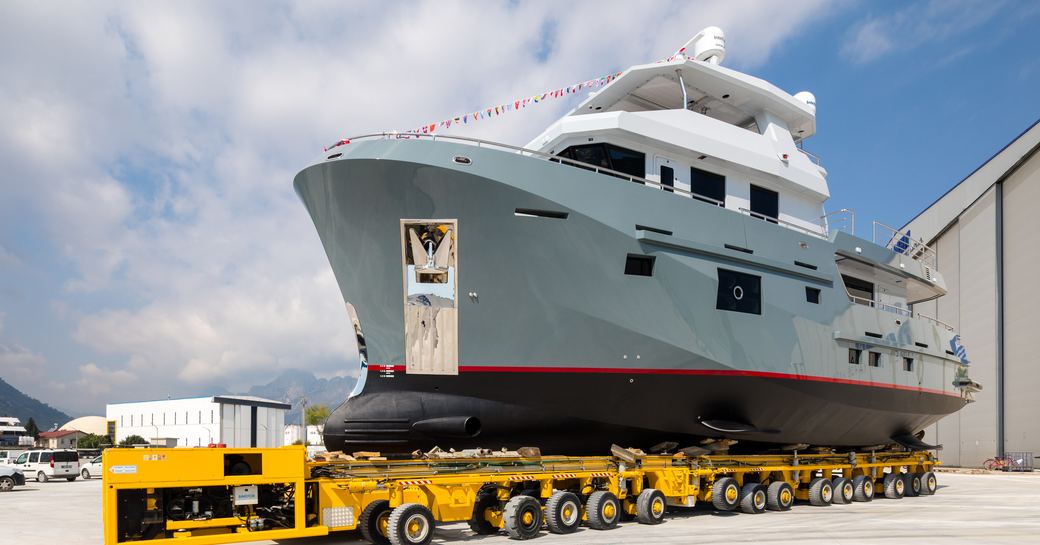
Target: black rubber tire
41, 477
912, 484
651, 506
479, 524
70, 479
894, 486
779, 496
563, 512
821, 492
85, 474
843, 490
369, 522
725, 494
603, 510
522, 517
6, 484
753, 498
400, 518
863, 488
929, 484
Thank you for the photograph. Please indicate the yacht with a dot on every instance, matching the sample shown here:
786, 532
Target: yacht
656, 267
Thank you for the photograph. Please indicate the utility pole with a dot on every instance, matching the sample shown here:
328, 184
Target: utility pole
303, 420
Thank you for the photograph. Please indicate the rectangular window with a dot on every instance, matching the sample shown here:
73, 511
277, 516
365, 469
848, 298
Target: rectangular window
874, 359
854, 354
739, 292
628, 161
707, 184
211, 416
131, 421
34, 457
861, 289
765, 203
174, 419
163, 418
908, 364
667, 178
639, 265
812, 295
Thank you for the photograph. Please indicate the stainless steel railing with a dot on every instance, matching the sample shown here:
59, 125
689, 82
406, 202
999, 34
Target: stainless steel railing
822, 233
901, 243
840, 220
882, 306
936, 320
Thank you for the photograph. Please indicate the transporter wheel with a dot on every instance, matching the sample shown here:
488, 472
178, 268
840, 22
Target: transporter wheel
522, 517
6, 484
779, 496
603, 510
821, 492
478, 522
912, 484
651, 506
563, 512
725, 494
410, 524
843, 490
70, 479
85, 474
929, 484
375, 521
894, 486
41, 477
863, 488
753, 498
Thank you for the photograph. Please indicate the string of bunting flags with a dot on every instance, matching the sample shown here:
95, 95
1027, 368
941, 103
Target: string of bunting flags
497, 110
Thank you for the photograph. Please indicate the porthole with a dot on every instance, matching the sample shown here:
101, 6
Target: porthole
462, 160
738, 293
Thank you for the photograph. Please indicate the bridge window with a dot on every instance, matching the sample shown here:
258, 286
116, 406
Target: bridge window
765, 203
609, 156
707, 184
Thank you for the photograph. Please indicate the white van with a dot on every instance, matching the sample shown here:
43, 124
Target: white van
48, 464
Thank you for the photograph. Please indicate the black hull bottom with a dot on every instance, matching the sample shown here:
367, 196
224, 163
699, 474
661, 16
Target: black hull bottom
584, 413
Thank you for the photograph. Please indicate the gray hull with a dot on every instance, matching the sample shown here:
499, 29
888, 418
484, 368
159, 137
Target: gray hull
558, 347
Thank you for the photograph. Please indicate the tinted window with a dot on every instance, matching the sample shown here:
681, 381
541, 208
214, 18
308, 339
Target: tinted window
739, 292
66, 456
34, 457
610, 156
854, 355
667, 178
812, 295
708, 184
875, 359
765, 202
628, 161
908, 364
639, 265
858, 288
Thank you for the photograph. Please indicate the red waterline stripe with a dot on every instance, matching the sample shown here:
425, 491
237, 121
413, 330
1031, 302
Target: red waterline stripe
688, 372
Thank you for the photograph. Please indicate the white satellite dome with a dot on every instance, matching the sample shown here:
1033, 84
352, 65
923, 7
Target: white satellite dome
709, 45
808, 98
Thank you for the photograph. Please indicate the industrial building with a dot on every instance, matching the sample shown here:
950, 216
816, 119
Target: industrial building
236, 421
985, 232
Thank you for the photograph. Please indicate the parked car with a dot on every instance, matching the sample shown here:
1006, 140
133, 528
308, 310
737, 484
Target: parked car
49, 464
91, 468
10, 477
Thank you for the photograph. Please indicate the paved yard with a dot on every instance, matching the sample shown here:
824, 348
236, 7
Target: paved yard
968, 509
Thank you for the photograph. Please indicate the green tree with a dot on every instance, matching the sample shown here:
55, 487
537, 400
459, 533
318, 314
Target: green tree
316, 415
91, 440
32, 428
132, 440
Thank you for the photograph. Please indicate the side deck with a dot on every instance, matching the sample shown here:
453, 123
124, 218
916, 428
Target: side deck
235, 495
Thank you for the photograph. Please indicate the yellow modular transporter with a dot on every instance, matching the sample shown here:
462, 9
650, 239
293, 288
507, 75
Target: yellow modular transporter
217, 495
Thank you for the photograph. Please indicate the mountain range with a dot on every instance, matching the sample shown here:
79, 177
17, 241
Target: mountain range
14, 403
293, 384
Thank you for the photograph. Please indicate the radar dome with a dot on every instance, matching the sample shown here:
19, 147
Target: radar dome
808, 98
708, 45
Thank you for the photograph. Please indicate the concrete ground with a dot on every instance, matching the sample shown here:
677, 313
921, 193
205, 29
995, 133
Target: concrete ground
968, 509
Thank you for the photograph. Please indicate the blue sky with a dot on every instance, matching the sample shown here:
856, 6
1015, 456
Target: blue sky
150, 241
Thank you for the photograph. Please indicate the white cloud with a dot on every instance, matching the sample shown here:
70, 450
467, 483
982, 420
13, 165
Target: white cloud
155, 145
917, 24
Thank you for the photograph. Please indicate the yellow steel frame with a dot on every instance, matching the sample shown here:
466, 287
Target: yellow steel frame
449, 487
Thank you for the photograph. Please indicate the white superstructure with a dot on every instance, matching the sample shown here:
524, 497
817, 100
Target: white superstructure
236, 421
689, 123
13, 434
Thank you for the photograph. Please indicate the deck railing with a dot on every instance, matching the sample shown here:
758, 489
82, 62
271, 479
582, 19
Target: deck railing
901, 243
898, 310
